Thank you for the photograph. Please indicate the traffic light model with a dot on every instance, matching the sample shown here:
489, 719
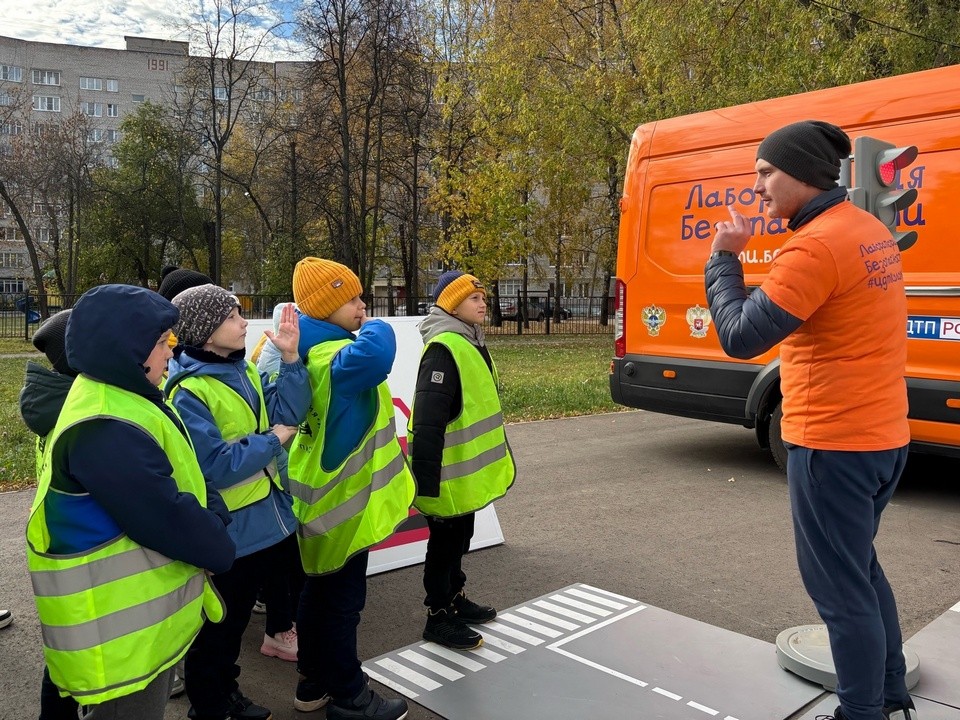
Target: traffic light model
876, 173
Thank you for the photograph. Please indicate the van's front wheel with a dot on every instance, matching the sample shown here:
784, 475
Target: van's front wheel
777, 448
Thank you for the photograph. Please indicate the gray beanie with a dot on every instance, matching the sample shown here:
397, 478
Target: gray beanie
202, 310
810, 151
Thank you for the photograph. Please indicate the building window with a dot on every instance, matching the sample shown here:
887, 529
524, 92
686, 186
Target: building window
6, 99
219, 93
263, 94
111, 136
113, 85
95, 135
93, 109
46, 77
111, 162
46, 103
43, 235
11, 73
113, 110
88, 83
11, 286
11, 234
11, 128
256, 117
138, 98
11, 260
509, 288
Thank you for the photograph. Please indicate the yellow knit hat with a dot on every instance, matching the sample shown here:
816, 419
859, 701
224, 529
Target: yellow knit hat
453, 287
321, 287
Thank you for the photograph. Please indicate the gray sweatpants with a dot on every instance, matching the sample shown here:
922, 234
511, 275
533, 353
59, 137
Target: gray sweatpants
148, 704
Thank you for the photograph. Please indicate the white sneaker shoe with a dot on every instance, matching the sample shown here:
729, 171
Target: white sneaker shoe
6, 617
177, 687
282, 645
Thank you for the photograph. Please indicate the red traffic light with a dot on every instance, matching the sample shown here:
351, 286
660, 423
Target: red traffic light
891, 162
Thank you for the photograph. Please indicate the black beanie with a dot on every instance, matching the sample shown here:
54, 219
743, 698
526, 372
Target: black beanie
810, 151
50, 339
176, 281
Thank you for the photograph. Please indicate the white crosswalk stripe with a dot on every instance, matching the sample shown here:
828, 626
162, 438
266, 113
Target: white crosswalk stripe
530, 625
564, 614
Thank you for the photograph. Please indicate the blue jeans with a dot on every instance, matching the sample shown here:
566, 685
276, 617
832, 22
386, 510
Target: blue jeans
837, 498
327, 621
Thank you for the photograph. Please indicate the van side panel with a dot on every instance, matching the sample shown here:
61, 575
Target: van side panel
681, 175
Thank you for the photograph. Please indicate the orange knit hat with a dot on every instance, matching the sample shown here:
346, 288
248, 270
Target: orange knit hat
321, 287
453, 287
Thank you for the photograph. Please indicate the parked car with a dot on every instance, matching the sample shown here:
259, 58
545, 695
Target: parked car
536, 309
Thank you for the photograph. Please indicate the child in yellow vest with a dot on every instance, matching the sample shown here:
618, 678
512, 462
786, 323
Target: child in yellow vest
458, 450
238, 421
350, 482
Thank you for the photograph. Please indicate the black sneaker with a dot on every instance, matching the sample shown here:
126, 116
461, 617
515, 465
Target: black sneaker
837, 715
310, 695
907, 711
243, 708
470, 612
444, 627
367, 706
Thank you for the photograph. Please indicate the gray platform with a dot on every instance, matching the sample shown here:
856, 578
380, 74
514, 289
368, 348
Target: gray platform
583, 652
938, 646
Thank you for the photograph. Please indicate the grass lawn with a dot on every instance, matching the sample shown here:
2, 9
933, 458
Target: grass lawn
541, 377
553, 376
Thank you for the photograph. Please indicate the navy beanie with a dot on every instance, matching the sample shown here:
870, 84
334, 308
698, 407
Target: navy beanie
809, 150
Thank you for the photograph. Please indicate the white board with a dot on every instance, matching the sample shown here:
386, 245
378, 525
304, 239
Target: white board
409, 545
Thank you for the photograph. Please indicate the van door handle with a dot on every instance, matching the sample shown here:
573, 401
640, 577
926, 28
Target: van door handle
943, 291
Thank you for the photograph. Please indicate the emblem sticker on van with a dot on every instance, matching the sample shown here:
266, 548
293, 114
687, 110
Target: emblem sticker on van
698, 319
654, 317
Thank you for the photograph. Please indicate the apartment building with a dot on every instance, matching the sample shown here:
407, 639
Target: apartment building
53, 81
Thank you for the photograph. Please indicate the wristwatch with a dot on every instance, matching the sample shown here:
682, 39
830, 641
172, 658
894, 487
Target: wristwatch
722, 253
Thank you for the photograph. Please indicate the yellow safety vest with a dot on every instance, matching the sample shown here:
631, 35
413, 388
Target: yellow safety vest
235, 420
359, 503
477, 466
116, 616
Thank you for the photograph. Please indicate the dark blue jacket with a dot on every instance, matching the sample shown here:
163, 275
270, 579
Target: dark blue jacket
115, 471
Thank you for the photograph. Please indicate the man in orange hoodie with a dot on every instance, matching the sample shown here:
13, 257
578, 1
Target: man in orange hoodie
834, 297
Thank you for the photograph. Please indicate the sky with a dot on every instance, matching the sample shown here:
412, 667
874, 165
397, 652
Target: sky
103, 23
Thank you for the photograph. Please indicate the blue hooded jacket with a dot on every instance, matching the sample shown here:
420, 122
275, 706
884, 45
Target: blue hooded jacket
269, 521
110, 476
355, 373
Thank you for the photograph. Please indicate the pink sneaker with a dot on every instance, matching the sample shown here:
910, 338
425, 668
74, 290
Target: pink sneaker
282, 645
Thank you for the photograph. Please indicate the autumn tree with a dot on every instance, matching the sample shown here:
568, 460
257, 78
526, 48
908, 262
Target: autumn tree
147, 212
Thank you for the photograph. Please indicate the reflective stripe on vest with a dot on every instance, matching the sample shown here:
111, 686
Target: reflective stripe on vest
477, 465
362, 501
115, 616
233, 415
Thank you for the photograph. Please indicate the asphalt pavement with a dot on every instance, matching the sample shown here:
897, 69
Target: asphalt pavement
688, 516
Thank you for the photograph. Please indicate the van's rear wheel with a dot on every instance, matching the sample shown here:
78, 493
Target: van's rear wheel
777, 448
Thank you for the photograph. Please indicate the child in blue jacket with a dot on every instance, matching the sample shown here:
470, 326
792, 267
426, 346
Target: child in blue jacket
238, 422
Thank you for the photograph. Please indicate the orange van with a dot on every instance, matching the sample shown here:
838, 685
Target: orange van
681, 174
